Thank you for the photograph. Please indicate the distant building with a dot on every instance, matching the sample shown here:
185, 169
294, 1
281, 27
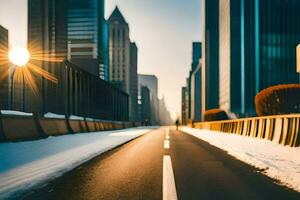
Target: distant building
194, 85
210, 55
133, 82
195, 96
257, 49
184, 118
145, 106
88, 36
119, 48
197, 54
151, 82
4, 69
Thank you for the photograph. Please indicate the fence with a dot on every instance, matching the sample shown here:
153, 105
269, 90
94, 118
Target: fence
283, 129
76, 92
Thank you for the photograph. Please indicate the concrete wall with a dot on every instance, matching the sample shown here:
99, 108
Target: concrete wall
282, 129
20, 128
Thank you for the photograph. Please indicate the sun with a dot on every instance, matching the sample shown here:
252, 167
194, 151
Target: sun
19, 56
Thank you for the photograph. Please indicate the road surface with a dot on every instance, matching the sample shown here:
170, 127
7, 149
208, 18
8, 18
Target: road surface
163, 164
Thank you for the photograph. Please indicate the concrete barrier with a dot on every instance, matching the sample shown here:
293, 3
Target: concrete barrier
282, 129
91, 125
75, 126
17, 128
20, 128
54, 127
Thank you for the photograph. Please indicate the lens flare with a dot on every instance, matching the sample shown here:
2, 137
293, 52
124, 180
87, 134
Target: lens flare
19, 56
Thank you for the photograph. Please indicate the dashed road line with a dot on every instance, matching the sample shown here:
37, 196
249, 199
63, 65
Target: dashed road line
169, 187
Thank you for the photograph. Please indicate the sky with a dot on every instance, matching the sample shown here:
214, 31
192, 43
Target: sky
163, 30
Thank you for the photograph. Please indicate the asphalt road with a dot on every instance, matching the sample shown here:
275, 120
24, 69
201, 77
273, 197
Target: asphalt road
162, 163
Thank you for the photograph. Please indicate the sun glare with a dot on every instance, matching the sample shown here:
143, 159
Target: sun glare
19, 56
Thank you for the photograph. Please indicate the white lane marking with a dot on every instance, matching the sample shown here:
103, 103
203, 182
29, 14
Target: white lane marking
167, 134
169, 187
167, 144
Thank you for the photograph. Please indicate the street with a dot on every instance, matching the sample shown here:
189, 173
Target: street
163, 164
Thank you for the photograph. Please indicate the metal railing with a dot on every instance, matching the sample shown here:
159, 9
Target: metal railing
282, 129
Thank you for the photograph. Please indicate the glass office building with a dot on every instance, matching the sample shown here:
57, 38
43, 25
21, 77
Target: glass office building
210, 55
258, 40
88, 33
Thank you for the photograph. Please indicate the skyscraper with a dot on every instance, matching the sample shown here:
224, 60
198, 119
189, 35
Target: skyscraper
47, 41
195, 96
183, 106
193, 88
133, 81
88, 36
257, 49
210, 55
47, 29
145, 105
119, 51
4, 69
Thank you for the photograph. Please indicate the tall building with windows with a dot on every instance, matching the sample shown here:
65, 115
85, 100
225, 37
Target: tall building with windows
184, 120
210, 55
195, 95
119, 51
47, 41
258, 39
88, 36
4, 69
133, 81
146, 105
194, 86
47, 29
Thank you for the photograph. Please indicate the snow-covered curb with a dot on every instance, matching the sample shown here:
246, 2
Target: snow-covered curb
26, 164
278, 162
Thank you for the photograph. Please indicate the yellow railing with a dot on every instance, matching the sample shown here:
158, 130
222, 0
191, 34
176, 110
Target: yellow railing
283, 129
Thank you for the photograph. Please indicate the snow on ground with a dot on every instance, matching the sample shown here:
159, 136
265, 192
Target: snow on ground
26, 164
278, 162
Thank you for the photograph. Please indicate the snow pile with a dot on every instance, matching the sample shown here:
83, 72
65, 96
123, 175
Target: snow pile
54, 116
73, 117
14, 112
278, 162
26, 164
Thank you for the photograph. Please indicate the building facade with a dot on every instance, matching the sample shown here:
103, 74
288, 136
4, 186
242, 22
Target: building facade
47, 41
193, 83
133, 82
119, 51
210, 55
47, 29
257, 50
4, 69
195, 96
145, 106
184, 118
88, 36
